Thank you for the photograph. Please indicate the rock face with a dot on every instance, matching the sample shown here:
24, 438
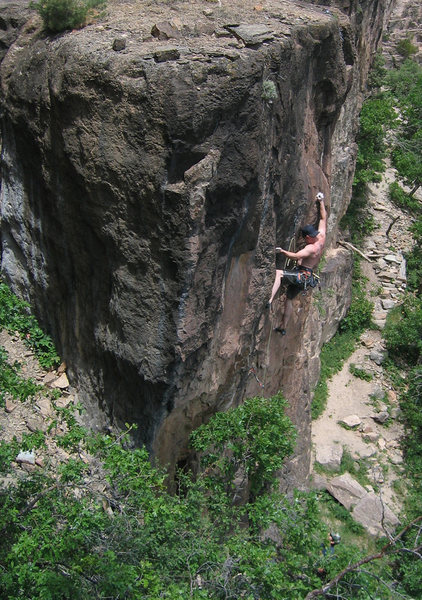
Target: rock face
145, 186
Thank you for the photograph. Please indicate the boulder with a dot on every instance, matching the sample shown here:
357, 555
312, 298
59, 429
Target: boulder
346, 490
371, 512
329, 456
251, 34
351, 421
26, 457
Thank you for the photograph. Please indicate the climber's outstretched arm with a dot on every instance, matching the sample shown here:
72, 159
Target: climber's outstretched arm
322, 225
304, 253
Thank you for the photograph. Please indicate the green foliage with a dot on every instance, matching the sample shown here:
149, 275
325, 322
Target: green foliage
58, 15
376, 116
358, 221
269, 90
341, 346
360, 373
414, 259
255, 437
15, 316
406, 85
402, 199
359, 316
12, 383
403, 330
405, 47
378, 72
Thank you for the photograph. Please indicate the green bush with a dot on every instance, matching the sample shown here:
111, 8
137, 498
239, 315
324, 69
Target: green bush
403, 330
15, 316
376, 116
414, 259
359, 315
58, 15
255, 437
269, 90
405, 47
402, 199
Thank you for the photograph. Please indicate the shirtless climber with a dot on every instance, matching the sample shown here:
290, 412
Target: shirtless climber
307, 259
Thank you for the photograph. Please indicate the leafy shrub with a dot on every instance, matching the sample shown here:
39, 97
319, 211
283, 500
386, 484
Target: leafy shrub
359, 316
15, 316
377, 114
256, 437
405, 47
376, 77
414, 259
12, 383
58, 15
402, 199
403, 330
269, 90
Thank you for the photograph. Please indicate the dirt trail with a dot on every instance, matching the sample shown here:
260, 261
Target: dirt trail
370, 408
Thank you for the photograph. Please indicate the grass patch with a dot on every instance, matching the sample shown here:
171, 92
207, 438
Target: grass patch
360, 373
15, 316
12, 383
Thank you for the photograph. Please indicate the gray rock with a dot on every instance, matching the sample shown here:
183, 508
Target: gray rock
9, 405
388, 304
393, 258
119, 43
61, 382
351, 421
402, 271
371, 436
377, 356
164, 31
166, 54
329, 456
252, 35
396, 458
378, 392
346, 490
36, 423
395, 412
366, 452
381, 417
26, 456
371, 512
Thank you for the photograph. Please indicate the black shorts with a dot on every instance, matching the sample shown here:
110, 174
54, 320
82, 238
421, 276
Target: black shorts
299, 279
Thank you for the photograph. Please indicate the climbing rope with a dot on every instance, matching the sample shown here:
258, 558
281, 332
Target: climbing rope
289, 262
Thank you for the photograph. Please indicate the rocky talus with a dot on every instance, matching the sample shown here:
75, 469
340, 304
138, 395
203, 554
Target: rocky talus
362, 417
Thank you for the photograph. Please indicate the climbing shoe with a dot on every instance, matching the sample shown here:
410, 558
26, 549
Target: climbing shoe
280, 330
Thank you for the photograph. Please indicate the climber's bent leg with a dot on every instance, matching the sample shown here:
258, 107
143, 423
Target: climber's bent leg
277, 282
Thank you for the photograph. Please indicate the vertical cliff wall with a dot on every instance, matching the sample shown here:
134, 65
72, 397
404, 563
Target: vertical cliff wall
144, 190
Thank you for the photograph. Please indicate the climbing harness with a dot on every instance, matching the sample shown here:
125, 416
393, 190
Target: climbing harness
307, 278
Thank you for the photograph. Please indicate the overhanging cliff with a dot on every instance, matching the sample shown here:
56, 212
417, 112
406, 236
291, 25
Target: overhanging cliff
146, 182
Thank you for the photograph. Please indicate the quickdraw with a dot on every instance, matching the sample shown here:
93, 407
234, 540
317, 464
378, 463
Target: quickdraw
307, 278
253, 372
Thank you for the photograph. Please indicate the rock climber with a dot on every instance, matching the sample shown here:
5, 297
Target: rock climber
308, 258
333, 540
